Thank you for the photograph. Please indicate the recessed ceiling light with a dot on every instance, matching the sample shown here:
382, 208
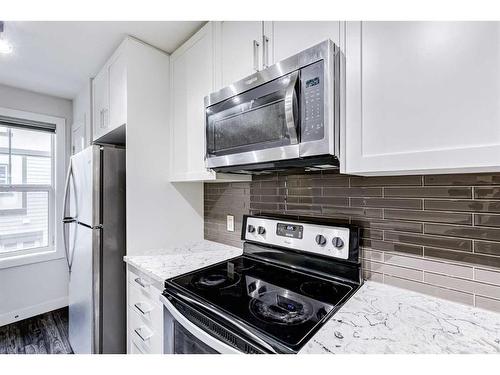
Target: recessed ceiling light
5, 46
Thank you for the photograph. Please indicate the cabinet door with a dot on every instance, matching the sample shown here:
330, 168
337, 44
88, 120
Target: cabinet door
291, 37
117, 72
100, 90
192, 78
422, 97
241, 49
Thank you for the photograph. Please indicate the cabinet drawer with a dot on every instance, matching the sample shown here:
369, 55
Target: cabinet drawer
143, 336
146, 305
135, 349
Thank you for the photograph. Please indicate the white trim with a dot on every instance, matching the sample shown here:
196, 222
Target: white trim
59, 167
28, 312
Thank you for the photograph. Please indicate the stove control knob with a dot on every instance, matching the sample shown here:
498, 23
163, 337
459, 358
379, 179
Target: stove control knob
261, 230
251, 228
320, 240
337, 242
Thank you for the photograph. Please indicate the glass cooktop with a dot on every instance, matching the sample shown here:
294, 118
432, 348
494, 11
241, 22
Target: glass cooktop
279, 302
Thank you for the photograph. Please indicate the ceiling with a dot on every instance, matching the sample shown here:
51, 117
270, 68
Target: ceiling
57, 58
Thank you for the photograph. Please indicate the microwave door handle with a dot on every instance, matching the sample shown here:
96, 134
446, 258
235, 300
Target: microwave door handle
290, 99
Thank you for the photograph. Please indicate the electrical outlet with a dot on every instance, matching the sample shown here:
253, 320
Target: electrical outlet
230, 223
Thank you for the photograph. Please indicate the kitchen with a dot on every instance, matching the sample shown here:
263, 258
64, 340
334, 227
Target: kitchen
299, 187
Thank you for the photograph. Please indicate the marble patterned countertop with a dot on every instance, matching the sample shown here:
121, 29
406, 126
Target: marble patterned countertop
163, 264
377, 319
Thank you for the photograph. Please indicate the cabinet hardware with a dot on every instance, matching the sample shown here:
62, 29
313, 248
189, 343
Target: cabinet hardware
138, 332
256, 55
265, 51
141, 308
142, 282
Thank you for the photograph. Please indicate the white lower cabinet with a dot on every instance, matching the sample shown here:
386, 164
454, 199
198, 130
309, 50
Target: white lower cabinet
144, 314
422, 97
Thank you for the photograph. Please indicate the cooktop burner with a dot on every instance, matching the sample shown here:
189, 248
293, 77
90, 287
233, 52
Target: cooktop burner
215, 280
318, 288
272, 308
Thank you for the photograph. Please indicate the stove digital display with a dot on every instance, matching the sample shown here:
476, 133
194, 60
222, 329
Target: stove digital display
290, 230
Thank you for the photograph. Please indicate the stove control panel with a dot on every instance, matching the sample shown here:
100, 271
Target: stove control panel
314, 238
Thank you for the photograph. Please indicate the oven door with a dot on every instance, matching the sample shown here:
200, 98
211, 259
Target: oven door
259, 125
184, 337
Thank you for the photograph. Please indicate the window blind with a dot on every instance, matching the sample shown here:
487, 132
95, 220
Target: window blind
27, 124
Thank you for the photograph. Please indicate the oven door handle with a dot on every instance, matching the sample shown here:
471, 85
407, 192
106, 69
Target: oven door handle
224, 317
290, 104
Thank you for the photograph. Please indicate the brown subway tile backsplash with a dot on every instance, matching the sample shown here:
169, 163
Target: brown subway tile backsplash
463, 179
488, 303
487, 220
462, 257
393, 247
487, 276
437, 234
487, 192
452, 295
469, 205
430, 216
387, 202
429, 192
386, 181
463, 231
491, 248
419, 239
403, 226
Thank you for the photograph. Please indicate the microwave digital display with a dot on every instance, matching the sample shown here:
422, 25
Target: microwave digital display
312, 82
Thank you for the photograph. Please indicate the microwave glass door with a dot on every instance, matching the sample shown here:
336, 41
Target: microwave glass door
264, 117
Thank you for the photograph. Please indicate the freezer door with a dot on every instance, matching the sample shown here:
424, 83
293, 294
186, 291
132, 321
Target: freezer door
113, 277
82, 298
86, 167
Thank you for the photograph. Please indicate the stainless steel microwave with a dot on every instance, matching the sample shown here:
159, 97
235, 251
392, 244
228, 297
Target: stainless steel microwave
286, 116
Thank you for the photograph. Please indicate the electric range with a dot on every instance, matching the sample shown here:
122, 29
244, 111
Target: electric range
292, 277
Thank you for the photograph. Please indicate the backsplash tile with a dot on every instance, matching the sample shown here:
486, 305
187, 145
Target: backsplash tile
437, 234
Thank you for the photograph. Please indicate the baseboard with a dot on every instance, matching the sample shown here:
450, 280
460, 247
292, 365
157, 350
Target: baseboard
31, 311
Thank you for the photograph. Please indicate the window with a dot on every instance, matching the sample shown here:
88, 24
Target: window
27, 192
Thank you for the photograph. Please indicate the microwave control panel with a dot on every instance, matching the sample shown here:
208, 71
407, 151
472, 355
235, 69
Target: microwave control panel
312, 89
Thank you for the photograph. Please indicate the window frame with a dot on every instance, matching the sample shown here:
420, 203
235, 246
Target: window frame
55, 248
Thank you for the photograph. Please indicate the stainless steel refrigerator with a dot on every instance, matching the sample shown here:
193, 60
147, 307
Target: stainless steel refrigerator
94, 239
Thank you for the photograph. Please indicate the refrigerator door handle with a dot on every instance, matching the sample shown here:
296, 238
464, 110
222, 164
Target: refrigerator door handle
69, 219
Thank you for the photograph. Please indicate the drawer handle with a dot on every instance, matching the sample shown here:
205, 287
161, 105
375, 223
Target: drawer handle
141, 282
141, 309
138, 332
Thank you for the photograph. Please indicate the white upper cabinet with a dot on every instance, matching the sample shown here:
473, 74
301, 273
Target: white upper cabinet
100, 98
109, 90
422, 97
117, 71
240, 44
81, 127
291, 37
192, 78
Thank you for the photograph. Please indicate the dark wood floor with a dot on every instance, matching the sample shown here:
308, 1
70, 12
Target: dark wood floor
42, 334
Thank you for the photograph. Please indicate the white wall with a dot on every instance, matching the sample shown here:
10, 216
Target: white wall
38, 287
159, 214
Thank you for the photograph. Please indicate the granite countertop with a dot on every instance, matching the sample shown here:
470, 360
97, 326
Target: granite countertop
384, 319
161, 264
377, 319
